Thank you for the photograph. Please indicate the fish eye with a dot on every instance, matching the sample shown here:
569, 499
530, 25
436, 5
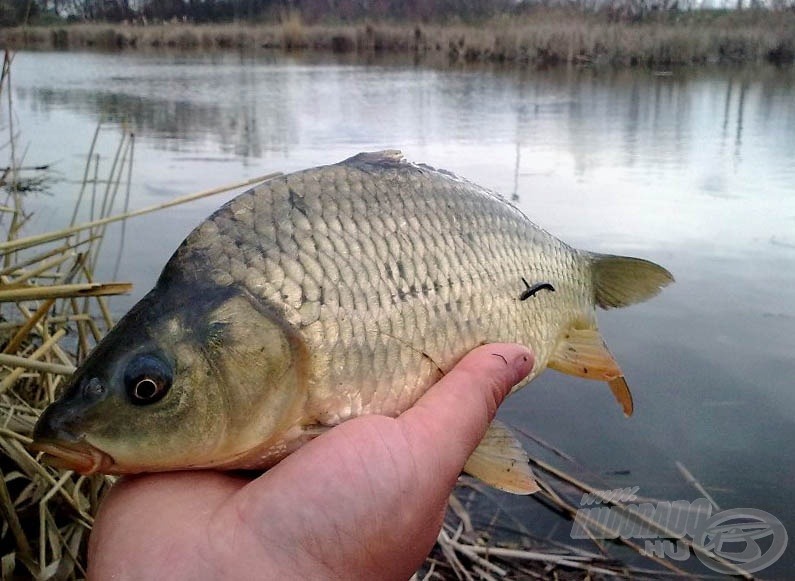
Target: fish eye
147, 379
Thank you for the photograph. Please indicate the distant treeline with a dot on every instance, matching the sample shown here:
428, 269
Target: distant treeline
17, 12
14, 12
201, 11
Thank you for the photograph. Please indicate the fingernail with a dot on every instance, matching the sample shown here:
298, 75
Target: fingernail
519, 358
524, 361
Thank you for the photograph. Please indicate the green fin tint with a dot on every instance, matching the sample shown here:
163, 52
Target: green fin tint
501, 462
620, 281
583, 353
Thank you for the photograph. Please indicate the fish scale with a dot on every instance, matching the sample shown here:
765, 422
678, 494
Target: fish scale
451, 254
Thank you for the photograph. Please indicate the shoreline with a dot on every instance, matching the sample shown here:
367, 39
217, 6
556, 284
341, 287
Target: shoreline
544, 39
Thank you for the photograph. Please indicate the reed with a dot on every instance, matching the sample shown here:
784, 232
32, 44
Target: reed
544, 37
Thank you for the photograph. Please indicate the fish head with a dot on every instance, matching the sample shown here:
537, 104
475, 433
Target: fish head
181, 382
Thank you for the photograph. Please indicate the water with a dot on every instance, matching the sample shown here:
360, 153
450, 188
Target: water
694, 170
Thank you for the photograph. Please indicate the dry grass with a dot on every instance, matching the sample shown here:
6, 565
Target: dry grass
464, 551
542, 38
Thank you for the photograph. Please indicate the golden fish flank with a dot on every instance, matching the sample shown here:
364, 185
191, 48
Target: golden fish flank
326, 294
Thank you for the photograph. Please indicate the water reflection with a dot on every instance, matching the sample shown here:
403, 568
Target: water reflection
693, 170
246, 106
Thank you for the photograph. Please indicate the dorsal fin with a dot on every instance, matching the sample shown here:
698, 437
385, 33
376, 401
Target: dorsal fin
385, 158
619, 281
583, 353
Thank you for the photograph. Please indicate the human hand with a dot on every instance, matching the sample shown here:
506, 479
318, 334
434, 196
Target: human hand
363, 501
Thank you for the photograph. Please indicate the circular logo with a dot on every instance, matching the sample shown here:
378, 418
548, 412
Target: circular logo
735, 536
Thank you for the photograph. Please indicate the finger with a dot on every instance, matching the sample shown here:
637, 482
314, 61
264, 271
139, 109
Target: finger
456, 412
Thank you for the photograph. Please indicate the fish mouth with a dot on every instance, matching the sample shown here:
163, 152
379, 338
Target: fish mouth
79, 456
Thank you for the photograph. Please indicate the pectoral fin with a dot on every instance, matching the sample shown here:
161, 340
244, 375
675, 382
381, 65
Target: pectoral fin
583, 353
501, 462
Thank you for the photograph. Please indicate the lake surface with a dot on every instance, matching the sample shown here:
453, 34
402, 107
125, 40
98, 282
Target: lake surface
694, 170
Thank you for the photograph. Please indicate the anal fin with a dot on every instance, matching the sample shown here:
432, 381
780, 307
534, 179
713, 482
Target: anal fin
583, 353
501, 462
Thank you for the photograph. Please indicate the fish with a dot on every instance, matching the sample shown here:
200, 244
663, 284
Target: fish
326, 294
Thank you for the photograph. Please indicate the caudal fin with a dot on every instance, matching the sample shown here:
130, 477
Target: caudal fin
620, 281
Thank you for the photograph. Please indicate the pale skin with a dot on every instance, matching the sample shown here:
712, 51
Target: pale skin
363, 501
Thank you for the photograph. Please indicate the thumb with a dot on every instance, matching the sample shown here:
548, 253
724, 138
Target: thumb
455, 413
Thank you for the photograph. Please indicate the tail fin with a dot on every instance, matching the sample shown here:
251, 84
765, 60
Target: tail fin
620, 281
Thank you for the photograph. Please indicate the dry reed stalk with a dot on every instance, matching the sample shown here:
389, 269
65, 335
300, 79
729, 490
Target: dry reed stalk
18, 266
52, 320
15, 342
11, 245
465, 552
32, 362
688, 476
630, 513
41, 269
61, 291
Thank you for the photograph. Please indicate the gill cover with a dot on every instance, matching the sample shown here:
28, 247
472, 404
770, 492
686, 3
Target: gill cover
184, 380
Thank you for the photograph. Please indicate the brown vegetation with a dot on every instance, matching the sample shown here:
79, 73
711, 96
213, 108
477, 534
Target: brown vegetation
543, 38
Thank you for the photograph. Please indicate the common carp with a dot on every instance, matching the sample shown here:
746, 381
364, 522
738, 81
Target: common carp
327, 294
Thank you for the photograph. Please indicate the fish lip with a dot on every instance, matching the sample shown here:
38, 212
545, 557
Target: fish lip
79, 456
